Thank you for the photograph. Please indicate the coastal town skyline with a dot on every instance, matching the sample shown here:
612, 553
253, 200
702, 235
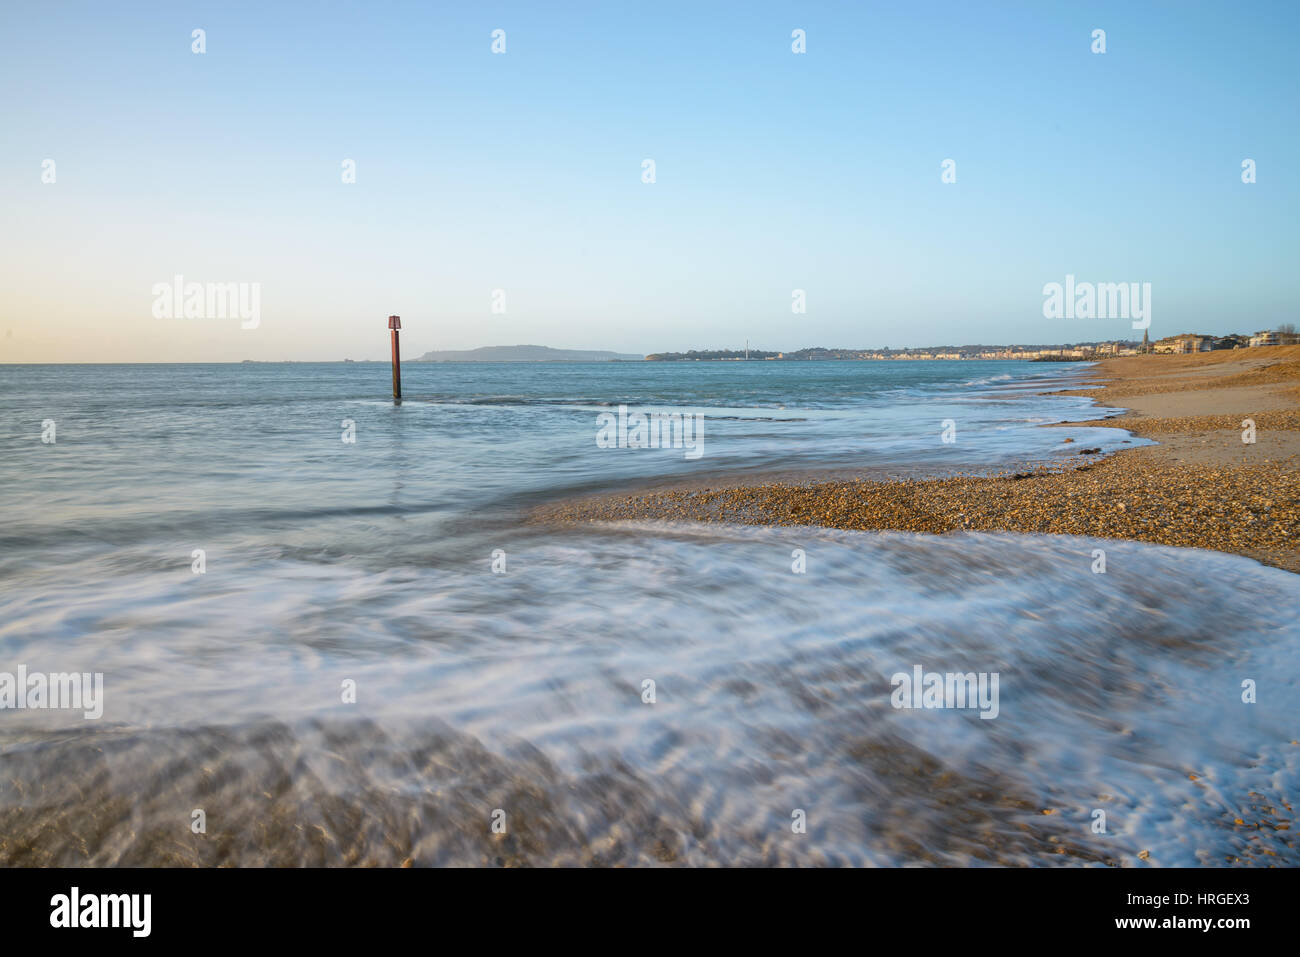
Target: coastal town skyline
1179, 344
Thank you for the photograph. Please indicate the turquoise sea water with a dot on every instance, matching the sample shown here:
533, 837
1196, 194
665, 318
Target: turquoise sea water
500, 665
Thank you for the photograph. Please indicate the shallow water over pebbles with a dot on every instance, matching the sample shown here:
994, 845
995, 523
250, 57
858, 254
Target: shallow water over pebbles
524, 692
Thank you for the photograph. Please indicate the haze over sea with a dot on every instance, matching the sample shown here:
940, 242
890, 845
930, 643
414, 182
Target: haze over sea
327, 562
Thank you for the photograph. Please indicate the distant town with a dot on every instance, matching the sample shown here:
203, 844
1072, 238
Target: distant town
1066, 352
1062, 352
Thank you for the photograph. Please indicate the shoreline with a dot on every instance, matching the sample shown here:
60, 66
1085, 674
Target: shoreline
1201, 486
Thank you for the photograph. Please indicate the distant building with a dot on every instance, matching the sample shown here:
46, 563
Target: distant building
1117, 349
1233, 341
1181, 345
1274, 338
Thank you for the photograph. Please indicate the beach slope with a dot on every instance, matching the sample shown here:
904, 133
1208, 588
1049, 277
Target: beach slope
1201, 486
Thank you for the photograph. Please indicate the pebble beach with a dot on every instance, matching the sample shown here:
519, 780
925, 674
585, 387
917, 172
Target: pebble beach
1202, 486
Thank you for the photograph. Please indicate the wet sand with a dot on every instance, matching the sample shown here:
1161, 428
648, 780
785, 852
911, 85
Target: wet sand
1200, 487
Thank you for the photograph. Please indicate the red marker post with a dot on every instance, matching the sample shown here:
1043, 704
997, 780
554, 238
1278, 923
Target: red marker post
395, 323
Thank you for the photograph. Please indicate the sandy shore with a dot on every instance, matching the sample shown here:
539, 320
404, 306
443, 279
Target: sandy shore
1200, 487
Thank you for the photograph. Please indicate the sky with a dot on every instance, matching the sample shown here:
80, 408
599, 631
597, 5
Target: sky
499, 198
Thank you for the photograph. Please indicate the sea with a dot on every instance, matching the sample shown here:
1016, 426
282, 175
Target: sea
329, 631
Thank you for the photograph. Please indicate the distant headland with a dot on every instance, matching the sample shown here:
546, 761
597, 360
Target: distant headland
526, 354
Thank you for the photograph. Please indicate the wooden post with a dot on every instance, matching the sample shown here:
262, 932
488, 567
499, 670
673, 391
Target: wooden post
395, 323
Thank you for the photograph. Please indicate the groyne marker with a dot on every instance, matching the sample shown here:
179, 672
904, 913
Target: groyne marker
394, 324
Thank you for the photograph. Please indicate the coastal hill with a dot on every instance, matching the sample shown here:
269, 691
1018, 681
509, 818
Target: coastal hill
525, 354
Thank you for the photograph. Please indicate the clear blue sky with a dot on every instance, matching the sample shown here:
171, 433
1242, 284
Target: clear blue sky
522, 172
